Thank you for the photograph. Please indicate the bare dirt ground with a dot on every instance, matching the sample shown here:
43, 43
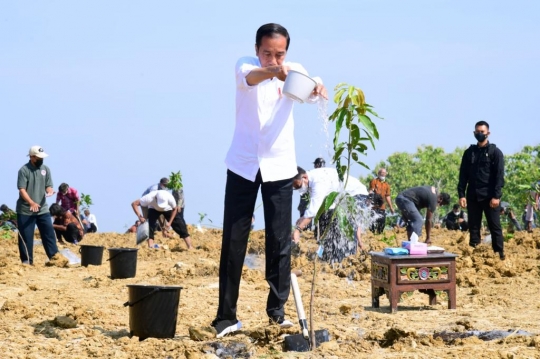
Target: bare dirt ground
78, 312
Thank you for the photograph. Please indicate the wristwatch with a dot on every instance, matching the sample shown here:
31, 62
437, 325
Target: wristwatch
299, 229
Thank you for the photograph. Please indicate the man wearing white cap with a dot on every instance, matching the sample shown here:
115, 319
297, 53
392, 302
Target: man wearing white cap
34, 182
159, 202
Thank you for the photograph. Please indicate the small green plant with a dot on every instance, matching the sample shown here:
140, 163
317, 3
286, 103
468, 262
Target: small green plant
175, 181
85, 201
202, 216
5, 232
389, 240
508, 236
352, 121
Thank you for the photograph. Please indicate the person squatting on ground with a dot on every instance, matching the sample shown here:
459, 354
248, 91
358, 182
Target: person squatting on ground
505, 209
319, 183
90, 222
262, 155
182, 227
304, 198
8, 217
532, 205
481, 179
379, 189
159, 203
456, 220
412, 200
68, 198
35, 183
66, 225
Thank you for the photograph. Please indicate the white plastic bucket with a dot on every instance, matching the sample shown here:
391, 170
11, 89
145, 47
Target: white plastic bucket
298, 86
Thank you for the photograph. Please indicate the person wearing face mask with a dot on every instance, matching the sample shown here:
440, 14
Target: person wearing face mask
456, 220
35, 184
481, 180
319, 183
379, 190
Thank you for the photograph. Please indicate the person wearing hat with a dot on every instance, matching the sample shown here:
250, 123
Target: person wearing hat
35, 184
159, 203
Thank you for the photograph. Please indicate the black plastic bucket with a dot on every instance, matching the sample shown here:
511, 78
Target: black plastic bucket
153, 310
91, 255
123, 262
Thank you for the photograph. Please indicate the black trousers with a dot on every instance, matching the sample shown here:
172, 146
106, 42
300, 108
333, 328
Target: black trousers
178, 224
240, 197
71, 234
475, 210
378, 225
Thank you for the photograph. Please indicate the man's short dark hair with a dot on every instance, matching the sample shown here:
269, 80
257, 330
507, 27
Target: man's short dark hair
164, 181
301, 171
482, 123
271, 30
4, 208
56, 210
63, 187
445, 198
319, 162
456, 206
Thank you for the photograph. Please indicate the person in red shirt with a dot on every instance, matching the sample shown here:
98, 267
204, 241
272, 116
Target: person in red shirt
68, 198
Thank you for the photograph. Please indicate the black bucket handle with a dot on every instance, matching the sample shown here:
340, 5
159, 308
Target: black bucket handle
119, 252
155, 290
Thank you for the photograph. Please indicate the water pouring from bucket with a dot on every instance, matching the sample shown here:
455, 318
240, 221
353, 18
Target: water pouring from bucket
298, 87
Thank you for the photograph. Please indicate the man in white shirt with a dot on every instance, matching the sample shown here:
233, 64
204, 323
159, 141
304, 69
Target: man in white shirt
161, 185
319, 183
90, 221
158, 203
262, 154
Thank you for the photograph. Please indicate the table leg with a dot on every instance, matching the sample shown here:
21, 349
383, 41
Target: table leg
451, 297
375, 293
394, 299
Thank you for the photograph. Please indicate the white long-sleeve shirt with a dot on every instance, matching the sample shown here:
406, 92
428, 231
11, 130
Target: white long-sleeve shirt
323, 181
264, 132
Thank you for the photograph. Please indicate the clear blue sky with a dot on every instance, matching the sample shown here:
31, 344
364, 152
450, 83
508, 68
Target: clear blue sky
121, 93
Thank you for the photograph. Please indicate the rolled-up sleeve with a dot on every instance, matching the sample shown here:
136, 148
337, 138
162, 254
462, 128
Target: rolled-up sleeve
243, 67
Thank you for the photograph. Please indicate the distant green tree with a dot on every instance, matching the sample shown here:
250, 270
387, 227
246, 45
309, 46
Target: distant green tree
522, 170
429, 166
435, 167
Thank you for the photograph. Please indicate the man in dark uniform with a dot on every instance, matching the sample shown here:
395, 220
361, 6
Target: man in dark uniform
481, 179
456, 219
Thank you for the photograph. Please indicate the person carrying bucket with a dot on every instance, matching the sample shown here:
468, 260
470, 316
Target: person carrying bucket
159, 203
262, 155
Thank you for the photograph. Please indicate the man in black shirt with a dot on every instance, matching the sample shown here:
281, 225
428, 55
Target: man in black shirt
481, 179
412, 200
456, 219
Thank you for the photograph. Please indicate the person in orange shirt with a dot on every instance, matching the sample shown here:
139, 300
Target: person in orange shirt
379, 191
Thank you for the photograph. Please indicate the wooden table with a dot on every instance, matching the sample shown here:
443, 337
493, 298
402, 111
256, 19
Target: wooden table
393, 275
